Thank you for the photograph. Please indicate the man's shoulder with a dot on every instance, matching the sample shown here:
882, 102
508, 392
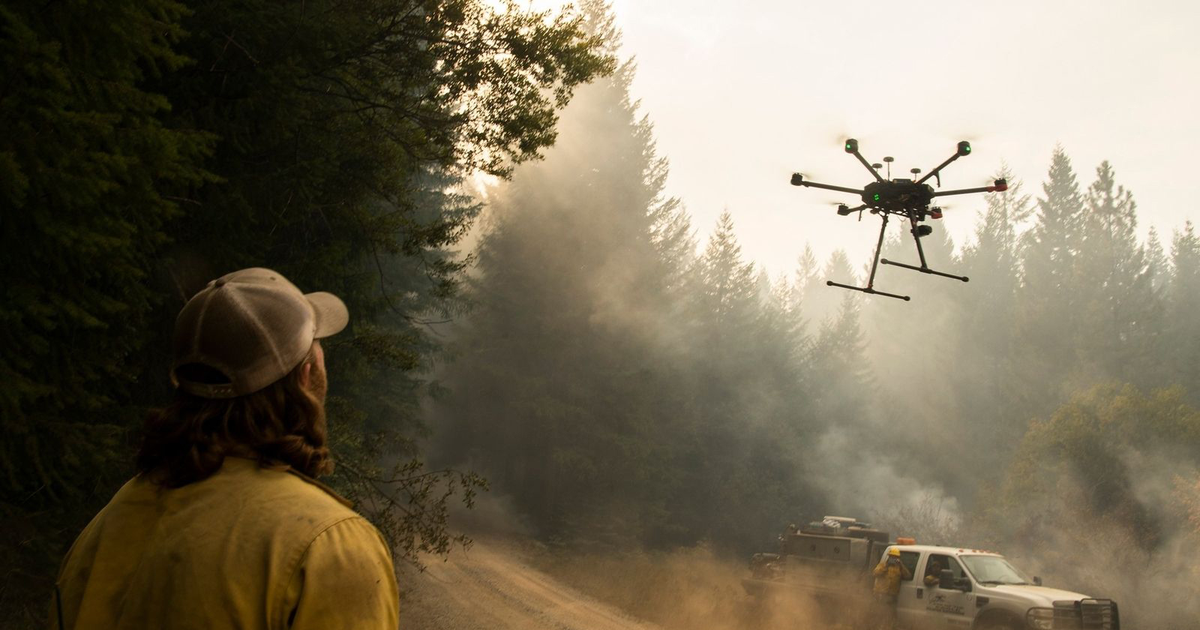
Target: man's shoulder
281, 490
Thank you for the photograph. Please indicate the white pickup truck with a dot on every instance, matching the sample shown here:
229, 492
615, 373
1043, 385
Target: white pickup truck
966, 589
950, 588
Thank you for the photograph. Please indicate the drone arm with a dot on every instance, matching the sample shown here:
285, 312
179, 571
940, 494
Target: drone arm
937, 170
867, 164
852, 191
798, 180
999, 186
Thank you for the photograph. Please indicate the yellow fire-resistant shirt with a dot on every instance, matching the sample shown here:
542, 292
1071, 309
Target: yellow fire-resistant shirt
249, 548
888, 576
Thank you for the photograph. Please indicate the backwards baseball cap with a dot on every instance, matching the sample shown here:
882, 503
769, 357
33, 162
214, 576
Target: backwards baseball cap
248, 329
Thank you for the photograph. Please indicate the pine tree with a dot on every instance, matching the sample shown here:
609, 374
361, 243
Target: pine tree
752, 412
728, 294
89, 175
569, 350
1120, 314
1183, 303
342, 126
985, 376
1048, 301
149, 147
1157, 263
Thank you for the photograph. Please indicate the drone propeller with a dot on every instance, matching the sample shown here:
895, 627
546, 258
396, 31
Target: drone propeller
840, 136
808, 176
970, 135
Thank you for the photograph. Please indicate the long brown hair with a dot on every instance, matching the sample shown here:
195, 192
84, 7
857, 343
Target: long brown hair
188, 440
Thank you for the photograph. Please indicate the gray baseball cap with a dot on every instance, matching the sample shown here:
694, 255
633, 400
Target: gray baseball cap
250, 327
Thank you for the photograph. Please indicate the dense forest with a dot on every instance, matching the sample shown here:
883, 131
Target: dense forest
565, 338
149, 147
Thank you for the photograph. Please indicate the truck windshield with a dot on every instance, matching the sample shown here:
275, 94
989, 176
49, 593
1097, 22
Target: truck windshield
994, 570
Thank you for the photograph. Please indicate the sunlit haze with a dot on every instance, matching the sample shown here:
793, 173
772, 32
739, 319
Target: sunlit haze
743, 94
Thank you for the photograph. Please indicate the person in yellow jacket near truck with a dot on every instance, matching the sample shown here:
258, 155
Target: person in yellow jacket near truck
225, 525
888, 574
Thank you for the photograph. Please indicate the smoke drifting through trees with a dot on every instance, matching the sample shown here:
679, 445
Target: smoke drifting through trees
627, 386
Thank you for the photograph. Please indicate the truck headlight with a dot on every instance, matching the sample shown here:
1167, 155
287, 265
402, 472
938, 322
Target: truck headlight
1040, 618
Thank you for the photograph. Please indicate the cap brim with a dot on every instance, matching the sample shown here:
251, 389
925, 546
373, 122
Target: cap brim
331, 312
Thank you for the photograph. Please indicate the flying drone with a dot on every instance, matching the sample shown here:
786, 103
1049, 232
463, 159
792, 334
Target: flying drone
905, 198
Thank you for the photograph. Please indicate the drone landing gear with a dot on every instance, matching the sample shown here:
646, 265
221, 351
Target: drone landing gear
924, 270
870, 288
867, 290
918, 231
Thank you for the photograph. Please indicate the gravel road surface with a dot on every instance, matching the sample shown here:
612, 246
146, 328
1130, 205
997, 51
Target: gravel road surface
489, 587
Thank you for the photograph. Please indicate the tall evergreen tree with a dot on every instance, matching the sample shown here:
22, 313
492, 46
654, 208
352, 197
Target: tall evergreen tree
752, 414
150, 147
1120, 313
1183, 303
985, 376
1157, 263
342, 125
1048, 302
88, 181
570, 344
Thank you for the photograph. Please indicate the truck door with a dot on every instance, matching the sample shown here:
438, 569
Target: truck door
947, 608
910, 609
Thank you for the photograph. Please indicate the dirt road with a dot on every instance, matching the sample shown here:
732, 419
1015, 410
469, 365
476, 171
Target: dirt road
490, 587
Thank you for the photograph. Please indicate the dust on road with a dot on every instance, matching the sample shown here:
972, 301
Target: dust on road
491, 587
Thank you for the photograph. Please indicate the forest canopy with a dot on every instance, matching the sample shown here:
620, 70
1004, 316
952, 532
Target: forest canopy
152, 146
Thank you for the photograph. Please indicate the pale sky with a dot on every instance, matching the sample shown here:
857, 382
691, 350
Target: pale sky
741, 94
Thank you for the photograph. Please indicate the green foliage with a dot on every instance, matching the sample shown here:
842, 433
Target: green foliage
987, 376
1096, 495
1121, 319
1182, 304
344, 127
87, 170
1089, 441
1048, 304
150, 147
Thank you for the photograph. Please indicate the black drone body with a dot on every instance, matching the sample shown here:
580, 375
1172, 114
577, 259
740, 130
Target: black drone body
908, 198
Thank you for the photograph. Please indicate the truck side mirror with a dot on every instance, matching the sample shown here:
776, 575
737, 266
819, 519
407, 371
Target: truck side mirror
1037, 581
946, 579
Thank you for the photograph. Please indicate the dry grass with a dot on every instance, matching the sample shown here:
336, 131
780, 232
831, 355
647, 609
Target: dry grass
687, 589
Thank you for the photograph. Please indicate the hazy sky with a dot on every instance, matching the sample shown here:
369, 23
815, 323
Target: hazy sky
742, 94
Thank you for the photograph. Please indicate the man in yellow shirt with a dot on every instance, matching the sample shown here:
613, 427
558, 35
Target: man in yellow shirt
933, 574
224, 525
888, 574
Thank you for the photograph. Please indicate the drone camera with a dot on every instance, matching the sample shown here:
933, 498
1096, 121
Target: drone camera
964, 148
851, 146
797, 179
1001, 185
923, 230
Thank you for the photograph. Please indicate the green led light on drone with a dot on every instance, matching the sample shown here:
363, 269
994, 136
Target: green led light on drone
876, 196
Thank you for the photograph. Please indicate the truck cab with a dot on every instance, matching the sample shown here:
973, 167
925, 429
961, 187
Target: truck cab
971, 589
